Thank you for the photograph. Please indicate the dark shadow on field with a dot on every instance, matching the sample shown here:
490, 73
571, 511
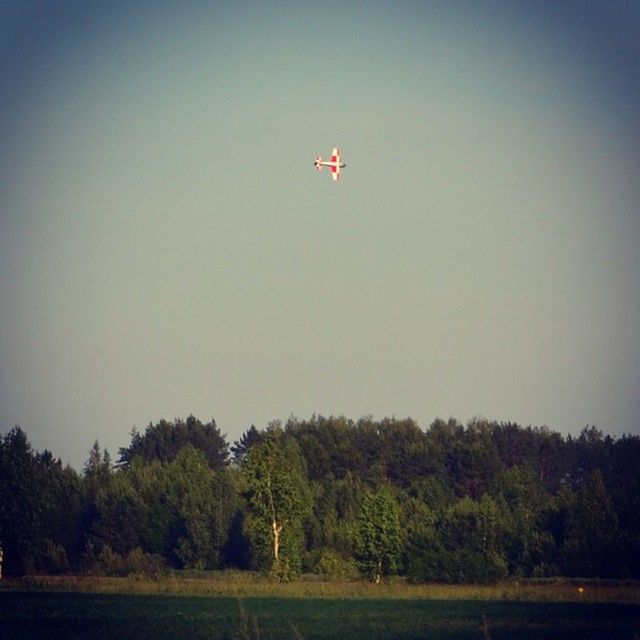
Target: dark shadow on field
71, 616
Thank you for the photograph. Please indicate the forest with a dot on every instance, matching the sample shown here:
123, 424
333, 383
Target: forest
330, 496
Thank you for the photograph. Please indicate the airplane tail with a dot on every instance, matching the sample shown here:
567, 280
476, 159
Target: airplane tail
317, 164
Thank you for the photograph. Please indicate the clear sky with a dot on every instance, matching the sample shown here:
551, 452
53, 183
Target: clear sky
167, 248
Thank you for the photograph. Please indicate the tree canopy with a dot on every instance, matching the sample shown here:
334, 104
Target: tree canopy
164, 440
332, 496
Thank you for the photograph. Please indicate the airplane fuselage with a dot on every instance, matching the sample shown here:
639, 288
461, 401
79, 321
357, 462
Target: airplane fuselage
333, 163
329, 163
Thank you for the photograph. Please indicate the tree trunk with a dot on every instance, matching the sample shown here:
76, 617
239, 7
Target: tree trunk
276, 530
378, 572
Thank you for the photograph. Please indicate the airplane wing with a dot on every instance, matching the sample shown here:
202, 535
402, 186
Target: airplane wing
335, 166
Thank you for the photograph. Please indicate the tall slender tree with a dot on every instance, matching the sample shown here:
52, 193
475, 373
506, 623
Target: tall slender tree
20, 504
278, 499
377, 535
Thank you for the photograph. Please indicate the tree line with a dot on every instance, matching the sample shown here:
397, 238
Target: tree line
330, 496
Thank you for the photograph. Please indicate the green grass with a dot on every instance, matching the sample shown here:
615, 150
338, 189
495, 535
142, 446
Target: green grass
100, 616
250, 585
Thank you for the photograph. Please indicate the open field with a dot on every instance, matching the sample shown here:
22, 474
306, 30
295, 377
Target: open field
249, 585
248, 607
89, 616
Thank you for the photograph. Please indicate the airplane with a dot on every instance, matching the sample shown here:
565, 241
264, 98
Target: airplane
334, 163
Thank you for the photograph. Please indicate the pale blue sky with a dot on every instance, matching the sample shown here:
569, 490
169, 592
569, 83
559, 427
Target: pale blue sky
167, 248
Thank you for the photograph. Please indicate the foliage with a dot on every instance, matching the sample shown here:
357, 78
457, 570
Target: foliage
180, 510
40, 508
20, 507
330, 565
277, 500
135, 562
164, 440
472, 534
240, 447
377, 538
591, 535
473, 503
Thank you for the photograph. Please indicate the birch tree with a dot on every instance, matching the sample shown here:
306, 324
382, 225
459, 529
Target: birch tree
277, 500
377, 535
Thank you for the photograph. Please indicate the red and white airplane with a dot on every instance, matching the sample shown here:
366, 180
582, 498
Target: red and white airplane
334, 163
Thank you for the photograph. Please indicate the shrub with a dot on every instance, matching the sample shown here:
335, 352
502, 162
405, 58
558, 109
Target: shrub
332, 566
141, 563
136, 562
110, 563
53, 558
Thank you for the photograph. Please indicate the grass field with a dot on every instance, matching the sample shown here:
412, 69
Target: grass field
58, 615
249, 585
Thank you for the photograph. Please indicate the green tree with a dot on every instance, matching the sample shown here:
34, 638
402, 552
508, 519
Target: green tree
204, 503
377, 538
180, 510
120, 514
529, 547
472, 534
61, 496
240, 447
403, 451
21, 504
164, 440
278, 501
422, 544
336, 504
97, 472
591, 537
472, 461
40, 509
96, 477
98, 466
